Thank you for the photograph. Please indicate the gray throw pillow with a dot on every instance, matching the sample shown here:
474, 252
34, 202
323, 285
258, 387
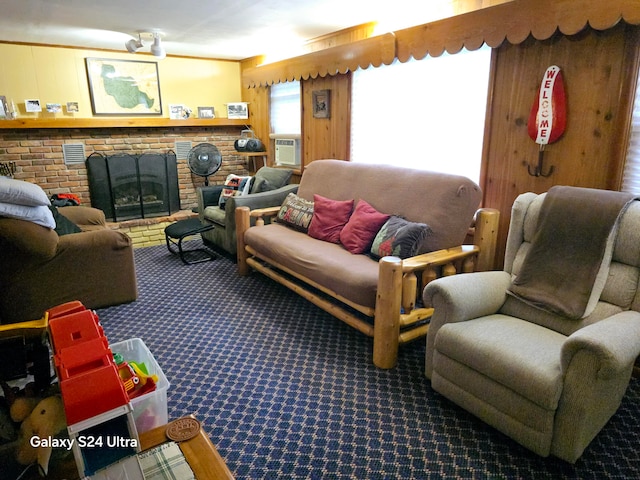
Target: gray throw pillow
270, 178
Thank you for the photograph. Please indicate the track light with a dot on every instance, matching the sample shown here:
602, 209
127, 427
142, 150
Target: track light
134, 45
157, 50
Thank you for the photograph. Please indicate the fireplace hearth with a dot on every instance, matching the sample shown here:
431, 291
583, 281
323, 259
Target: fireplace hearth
127, 187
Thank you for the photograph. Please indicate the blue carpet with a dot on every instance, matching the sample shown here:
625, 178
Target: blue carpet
287, 391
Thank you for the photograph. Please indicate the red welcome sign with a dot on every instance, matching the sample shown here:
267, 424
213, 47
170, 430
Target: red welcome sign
548, 117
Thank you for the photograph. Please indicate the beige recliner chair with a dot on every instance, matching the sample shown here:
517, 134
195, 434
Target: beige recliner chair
512, 348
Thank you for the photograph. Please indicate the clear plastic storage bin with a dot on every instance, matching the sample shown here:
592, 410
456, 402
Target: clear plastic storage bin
150, 409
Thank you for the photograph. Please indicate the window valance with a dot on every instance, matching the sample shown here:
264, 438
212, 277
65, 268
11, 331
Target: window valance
513, 22
331, 61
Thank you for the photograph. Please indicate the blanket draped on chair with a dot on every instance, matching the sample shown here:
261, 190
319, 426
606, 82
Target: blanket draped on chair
571, 250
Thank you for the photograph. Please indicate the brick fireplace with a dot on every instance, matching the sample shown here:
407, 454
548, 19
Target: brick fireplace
38, 158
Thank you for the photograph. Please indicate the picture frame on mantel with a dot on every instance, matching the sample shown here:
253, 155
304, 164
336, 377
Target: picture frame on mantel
123, 87
4, 107
321, 103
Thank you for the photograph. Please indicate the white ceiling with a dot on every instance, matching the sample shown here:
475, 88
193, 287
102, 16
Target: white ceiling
225, 29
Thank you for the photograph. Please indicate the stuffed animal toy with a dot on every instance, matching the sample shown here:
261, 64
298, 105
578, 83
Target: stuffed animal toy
45, 421
38, 416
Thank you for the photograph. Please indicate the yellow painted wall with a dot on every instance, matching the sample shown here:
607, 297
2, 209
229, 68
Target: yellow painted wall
58, 75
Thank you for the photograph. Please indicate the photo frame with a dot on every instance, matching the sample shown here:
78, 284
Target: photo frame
238, 110
32, 105
321, 103
206, 112
123, 87
179, 112
4, 107
54, 107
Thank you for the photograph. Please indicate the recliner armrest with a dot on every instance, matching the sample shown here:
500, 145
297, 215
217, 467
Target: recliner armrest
462, 297
467, 295
270, 198
614, 341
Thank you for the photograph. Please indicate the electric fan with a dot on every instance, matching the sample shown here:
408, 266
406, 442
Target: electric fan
204, 159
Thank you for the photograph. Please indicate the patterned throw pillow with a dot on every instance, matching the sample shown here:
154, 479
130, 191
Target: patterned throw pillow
400, 238
296, 212
234, 186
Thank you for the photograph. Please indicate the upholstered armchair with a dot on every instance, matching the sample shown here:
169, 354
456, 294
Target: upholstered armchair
269, 187
83, 259
543, 351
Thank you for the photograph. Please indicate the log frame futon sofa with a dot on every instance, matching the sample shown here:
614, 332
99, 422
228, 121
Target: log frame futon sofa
377, 297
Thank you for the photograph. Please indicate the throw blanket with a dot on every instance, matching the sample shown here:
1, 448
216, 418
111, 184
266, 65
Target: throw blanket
569, 250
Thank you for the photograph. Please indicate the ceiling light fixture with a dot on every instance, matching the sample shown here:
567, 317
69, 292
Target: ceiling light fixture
157, 50
134, 45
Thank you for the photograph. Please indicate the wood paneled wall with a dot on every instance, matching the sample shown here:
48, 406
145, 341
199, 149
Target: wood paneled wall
322, 138
597, 68
327, 137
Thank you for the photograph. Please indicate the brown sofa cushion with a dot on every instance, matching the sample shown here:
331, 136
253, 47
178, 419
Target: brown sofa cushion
354, 277
447, 203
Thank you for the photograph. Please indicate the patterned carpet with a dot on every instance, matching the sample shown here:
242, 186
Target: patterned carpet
287, 391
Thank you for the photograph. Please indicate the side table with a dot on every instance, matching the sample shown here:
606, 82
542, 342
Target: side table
176, 232
201, 455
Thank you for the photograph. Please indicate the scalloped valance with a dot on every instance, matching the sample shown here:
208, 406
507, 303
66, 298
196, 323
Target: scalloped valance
513, 21
331, 61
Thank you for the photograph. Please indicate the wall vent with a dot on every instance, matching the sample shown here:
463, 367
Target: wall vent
73, 153
182, 150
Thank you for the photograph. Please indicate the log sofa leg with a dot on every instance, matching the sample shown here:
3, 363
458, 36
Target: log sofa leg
386, 328
486, 237
243, 222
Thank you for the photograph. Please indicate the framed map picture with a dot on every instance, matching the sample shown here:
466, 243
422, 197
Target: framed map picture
123, 87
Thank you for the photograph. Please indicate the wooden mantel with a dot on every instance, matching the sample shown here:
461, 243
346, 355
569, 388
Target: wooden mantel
119, 122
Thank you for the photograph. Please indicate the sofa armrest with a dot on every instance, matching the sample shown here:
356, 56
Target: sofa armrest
87, 218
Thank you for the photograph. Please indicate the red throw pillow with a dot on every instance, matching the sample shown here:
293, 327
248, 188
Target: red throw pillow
329, 218
363, 226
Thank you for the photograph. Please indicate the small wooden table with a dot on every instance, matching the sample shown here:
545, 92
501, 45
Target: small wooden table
201, 455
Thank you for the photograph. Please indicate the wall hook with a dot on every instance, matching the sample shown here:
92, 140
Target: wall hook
537, 170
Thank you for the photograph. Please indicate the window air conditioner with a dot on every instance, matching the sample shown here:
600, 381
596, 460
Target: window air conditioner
287, 152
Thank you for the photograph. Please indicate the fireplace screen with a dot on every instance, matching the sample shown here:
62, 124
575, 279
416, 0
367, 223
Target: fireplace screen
126, 187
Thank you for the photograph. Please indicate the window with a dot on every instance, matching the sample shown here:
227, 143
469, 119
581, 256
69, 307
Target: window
285, 108
631, 176
427, 114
